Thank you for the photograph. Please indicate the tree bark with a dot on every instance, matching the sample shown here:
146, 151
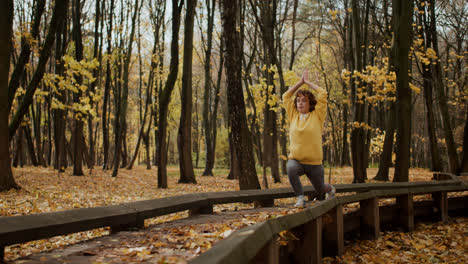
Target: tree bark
387, 151
428, 85
107, 88
236, 105
402, 19
165, 96
122, 127
207, 118
441, 96
60, 159
358, 134
184, 137
6, 23
464, 163
78, 118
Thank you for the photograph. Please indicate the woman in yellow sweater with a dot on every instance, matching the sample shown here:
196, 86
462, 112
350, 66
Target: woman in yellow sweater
306, 114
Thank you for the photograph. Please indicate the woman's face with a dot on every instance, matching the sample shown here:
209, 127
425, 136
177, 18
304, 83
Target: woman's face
303, 105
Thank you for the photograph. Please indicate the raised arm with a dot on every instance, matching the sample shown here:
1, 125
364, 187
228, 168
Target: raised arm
312, 85
294, 88
288, 102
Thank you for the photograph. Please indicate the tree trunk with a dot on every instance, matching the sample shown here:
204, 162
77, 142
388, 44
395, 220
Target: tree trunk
442, 98
58, 15
348, 57
358, 134
122, 127
464, 163
78, 118
60, 159
6, 23
402, 19
386, 156
107, 87
236, 106
207, 118
25, 52
29, 142
184, 138
165, 96
234, 171
428, 85
97, 54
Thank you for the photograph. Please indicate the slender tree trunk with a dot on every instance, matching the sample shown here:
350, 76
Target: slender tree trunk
25, 52
6, 23
348, 57
58, 15
464, 163
96, 73
184, 139
428, 85
402, 19
358, 134
122, 128
165, 96
30, 145
78, 128
236, 107
60, 159
107, 88
207, 125
386, 156
441, 96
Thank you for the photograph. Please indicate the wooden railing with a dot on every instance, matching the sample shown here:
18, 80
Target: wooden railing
21, 229
320, 228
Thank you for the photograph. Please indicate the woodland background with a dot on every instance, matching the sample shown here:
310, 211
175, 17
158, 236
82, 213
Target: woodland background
105, 85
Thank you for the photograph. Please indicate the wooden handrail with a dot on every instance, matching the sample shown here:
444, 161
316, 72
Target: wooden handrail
249, 244
21, 229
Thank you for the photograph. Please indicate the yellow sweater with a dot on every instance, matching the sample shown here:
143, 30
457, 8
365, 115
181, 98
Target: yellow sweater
305, 133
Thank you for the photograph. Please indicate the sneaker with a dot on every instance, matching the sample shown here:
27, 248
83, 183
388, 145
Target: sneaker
331, 193
300, 201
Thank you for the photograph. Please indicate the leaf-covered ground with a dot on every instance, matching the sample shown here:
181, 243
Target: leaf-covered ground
428, 243
45, 191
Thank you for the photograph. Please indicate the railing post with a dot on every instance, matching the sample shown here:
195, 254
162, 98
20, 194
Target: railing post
441, 204
406, 212
308, 249
370, 219
266, 203
201, 210
333, 233
269, 254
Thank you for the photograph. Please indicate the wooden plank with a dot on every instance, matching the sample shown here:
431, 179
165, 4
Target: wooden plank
20, 229
158, 207
269, 254
356, 197
333, 233
441, 205
406, 217
370, 220
308, 249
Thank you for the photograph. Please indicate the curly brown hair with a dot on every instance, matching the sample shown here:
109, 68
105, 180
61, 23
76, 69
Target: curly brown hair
309, 95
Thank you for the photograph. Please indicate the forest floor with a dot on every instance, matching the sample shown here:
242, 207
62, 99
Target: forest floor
176, 238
